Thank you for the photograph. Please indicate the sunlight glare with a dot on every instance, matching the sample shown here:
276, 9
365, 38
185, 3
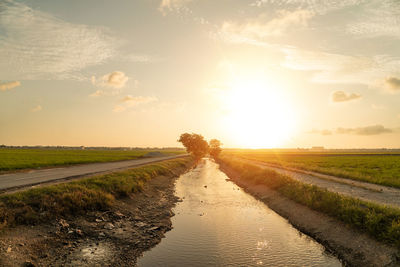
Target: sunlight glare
258, 116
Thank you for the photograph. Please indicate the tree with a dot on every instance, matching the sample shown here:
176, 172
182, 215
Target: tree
194, 144
215, 148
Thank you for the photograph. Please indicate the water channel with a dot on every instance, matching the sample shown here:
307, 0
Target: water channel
218, 224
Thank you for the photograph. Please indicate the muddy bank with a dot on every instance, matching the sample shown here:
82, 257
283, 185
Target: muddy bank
351, 246
116, 237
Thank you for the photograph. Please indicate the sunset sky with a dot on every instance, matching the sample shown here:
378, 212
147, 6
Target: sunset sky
252, 73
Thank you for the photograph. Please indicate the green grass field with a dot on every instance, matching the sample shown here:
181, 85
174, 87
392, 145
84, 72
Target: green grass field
377, 168
16, 159
381, 222
77, 197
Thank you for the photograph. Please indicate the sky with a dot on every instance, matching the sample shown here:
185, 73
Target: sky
252, 73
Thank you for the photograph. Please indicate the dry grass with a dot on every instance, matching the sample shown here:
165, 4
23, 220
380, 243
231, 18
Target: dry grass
95, 193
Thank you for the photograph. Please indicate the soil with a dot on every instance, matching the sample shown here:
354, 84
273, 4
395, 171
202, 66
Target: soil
116, 237
353, 247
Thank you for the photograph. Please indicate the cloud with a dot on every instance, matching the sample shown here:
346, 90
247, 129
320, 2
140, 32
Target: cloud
339, 68
377, 107
322, 132
258, 28
131, 101
119, 108
37, 108
98, 93
367, 130
380, 18
115, 79
172, 5
38, 45
137, 58
136, 100
392, 83
9, 85
341, 96
317, 6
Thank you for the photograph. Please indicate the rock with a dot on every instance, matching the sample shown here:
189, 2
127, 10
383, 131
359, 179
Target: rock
63, 223
101, 234
9, 249
109, 226
119, 214
98, 220
205, 186
28, 264
154, 228
140, 224
79, 232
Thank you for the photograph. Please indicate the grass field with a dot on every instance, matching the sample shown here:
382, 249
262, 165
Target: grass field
74, 198
16, 159
377, 168
381, 222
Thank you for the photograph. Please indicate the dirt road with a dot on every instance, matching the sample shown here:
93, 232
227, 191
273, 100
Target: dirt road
32, 177
365, 191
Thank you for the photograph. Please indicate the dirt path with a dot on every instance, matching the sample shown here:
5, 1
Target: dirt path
113, 238
353, 247
369, 192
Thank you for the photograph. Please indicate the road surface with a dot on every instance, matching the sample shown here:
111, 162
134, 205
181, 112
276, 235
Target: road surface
33, 177
385, 195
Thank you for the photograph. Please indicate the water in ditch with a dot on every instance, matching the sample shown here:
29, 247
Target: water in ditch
218, 224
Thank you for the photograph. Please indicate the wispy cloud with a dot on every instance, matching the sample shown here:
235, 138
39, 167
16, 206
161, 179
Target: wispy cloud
317, 6
37, 45
9, 85
380, 18
367, 130
339, 68
172, 5
342, 96
256, 29
98, 93
131, 101
378, 107
322, 132
141, 58
37, 108
392, 83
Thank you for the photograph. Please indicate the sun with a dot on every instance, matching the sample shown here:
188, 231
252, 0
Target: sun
257, 114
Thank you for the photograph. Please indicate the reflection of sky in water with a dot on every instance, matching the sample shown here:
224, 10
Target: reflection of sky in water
220, 225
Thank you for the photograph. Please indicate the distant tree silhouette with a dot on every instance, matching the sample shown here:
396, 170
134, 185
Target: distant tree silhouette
194, 144
215, 148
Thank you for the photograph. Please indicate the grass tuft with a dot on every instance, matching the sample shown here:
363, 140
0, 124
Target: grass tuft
74, 198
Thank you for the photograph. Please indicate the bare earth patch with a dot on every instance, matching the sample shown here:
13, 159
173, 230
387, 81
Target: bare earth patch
113, 238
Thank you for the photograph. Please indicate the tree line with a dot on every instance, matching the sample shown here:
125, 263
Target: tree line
198, 147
